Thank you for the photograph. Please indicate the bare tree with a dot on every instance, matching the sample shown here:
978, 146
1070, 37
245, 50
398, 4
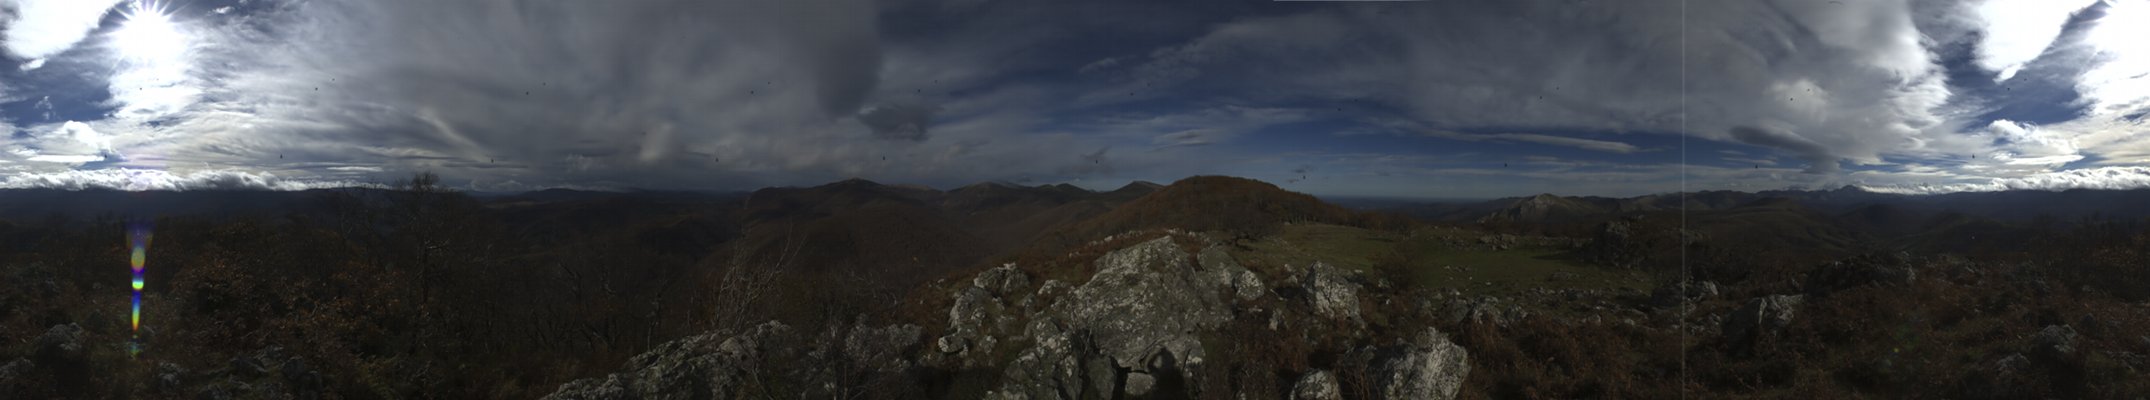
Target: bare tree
745, 282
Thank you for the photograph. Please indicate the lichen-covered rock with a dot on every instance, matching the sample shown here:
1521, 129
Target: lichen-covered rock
1430, 367
1317, 385
1053, 368
1334, 295
972, 320
1147, 299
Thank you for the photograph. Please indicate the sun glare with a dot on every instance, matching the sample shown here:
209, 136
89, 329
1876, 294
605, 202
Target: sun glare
152, 50
148, 35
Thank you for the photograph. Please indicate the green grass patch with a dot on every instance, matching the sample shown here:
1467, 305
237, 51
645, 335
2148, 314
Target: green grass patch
1432, 263
1507, 272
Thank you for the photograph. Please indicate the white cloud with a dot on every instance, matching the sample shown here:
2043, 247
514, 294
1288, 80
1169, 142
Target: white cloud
2024, 144
142, 179
69, 142
1563, 141
36, 29
2120, 84
2017, 31
2101, 178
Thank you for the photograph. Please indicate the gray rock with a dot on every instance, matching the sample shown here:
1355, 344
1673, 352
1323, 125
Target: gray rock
60, 342
952, 344
1003, 281
1139, 384
14, 370
1760, 316
699, 367
1333, 295
972, 320
2055, 341
2012, 364
1317, 385
169, 377
1430, 367
1052, 287
882, 349
1053, 368
1245, 285
1485, 310
1145, 299
611, 387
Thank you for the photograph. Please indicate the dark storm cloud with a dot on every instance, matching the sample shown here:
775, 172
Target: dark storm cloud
1818, 157
899, 121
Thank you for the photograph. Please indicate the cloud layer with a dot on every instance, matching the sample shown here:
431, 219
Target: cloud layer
735, 95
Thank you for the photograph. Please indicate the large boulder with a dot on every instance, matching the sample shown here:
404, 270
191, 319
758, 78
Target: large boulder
1144, 300
1429, 367
1760, 316
1333, 294
1133, 328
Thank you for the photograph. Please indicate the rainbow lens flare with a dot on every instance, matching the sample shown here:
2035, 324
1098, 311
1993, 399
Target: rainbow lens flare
138, 237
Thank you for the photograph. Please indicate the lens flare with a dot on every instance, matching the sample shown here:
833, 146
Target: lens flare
138, 238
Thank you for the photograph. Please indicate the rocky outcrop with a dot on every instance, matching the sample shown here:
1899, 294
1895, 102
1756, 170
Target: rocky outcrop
1144, 307
720, 365
1134, 328
983, 313
1760, 316
1430, 367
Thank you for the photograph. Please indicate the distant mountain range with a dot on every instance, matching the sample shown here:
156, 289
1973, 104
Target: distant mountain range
2007, 205
967, 224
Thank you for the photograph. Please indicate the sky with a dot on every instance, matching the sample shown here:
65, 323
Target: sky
1430, 99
